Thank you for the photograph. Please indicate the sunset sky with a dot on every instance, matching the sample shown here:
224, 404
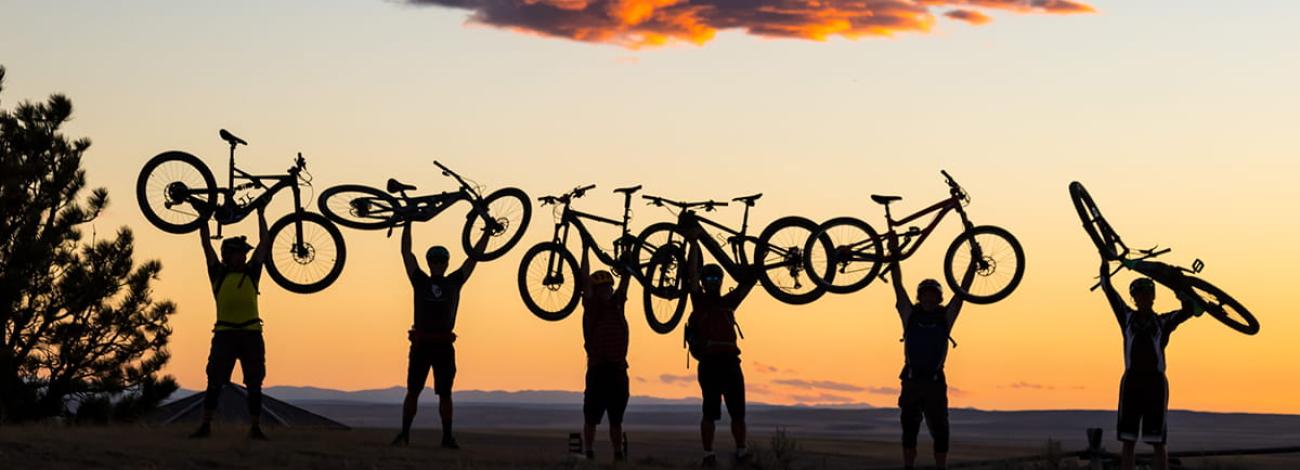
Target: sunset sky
1179, 116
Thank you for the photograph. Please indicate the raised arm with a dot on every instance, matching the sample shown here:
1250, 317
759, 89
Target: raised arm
1117, 304
408, 257
584, 275
467, 267
901, 300
1191, 307
624, 279
955, 305
209, 254
747, 277
263, 249
694, 260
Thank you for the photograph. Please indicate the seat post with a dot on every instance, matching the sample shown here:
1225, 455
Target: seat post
627, 210
744, 224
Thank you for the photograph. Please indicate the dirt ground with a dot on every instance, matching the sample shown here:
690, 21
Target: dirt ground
139, 447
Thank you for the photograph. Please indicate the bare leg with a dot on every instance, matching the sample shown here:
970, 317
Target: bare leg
909, 457
1161, 457
589, 437
445, 412
706, 434
410, 405
738, 432
1126, 456
616, 438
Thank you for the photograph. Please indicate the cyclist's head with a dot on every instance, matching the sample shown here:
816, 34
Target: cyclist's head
437, 256
234, 251
711, 278
602, 283
1143, 290
929, 293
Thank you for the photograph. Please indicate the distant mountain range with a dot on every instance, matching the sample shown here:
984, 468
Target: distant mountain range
392, 395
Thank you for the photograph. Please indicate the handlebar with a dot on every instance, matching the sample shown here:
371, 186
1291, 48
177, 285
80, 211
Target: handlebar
707, 205
448, 172
577, 192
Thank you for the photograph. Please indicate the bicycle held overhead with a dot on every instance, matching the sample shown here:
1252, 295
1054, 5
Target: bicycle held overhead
777, 253
504, 213
177, 193
548, 271
858, 253
1181, 280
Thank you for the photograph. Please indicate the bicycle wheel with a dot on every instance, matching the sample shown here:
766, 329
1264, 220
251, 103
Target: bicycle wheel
998, 271
306, 263
779, 257
852, 260
1099, 231
176, 192
358, 206
548, 281
510, 211
661, 259
1223, 307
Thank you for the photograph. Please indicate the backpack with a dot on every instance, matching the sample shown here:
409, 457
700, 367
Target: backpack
925, 344
695, 334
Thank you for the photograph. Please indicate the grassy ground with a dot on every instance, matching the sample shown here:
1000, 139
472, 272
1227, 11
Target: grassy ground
138, 447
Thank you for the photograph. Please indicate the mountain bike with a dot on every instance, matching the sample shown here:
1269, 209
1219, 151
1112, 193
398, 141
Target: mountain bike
1216, 302
504, 214
548, 271
777, 252
858, 254
178, 193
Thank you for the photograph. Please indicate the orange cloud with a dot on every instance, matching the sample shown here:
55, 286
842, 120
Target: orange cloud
637, 23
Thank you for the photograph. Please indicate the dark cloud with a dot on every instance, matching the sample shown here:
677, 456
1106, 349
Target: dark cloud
819, 385
883, 390
680, 380
969, 16
1028, 386
636, 23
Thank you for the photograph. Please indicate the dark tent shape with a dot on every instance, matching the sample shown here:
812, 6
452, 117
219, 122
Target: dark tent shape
233, 408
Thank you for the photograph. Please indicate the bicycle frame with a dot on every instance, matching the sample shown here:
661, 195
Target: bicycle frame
570, 218
736, 239
430, 206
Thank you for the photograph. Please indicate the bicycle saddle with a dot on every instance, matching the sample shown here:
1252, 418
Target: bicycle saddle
395, 186
885, 199
228, 137
748, 200
628, 190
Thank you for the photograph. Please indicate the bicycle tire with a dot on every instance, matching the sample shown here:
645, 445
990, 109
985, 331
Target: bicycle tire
144, 192
341, 205
823, 268
1249, 326
1004, 290
316, 282
1103, 236
790, 291
514, 227
569, 278
663, 280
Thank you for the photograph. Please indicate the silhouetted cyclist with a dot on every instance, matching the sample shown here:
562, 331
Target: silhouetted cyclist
711, 335
237, 334
605, 338
437, 298
927, 329
1144, 390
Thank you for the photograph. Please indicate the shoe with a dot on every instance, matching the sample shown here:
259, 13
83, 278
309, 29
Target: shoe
449, 442
742, 454
402, 439
255, 433
619, 457
202, 432
710, 461
590, 455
